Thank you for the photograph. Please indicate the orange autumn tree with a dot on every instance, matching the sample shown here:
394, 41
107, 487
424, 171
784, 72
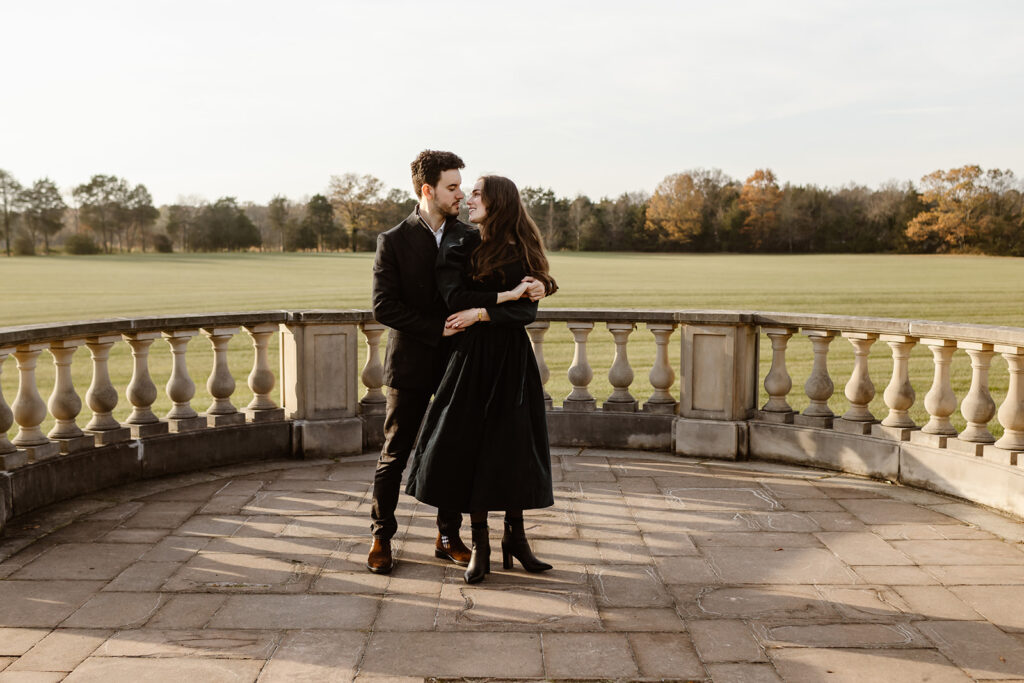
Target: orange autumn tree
963, 207
674, 210
760, 199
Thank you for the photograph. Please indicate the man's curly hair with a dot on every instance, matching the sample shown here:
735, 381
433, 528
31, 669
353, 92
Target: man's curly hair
428, 166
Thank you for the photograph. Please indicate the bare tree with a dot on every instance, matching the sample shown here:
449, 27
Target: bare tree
43, 211
354, 198
9, 201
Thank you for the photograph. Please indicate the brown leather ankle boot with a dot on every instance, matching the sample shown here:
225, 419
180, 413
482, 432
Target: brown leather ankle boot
379, 561
452, 548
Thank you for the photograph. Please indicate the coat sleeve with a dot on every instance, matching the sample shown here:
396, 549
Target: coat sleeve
388, 307
452, 262
516, 313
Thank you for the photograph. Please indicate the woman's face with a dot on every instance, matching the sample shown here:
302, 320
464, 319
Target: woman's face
477, 210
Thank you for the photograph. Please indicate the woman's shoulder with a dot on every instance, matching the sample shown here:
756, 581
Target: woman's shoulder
461, 232
460, 238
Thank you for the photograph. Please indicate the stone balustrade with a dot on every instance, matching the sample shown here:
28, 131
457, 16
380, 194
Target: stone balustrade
697, 395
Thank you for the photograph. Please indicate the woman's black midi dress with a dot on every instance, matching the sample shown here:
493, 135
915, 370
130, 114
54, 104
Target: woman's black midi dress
483, 444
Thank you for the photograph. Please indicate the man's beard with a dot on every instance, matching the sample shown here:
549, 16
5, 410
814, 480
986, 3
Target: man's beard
446, 210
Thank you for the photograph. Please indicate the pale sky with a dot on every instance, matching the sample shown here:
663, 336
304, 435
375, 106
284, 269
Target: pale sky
252, 99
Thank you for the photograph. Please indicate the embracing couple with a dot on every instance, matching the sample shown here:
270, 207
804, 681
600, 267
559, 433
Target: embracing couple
457, 300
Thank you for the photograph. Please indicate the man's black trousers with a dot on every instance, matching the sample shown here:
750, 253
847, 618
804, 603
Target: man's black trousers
405, 410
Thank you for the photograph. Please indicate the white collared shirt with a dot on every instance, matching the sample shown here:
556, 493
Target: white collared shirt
439, 233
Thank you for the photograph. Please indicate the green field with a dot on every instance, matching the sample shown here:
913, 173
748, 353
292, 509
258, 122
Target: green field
951, 288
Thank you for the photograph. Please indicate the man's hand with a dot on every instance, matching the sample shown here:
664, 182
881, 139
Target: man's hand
535, 288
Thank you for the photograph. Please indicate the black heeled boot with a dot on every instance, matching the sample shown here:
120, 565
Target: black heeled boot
480, 560
514, 544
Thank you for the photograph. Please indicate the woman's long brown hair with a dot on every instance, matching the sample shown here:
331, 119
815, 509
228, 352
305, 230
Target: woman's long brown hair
509, 234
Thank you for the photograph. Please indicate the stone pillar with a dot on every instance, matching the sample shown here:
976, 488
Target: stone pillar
620, 375
221, 384
859, 389
1011, 412
899, 394
29, 408
662, 376
373, 401
262, 408
319, 382
536, 331
940, 401
10, 456
978, 408
777, 382
64, 404
719, 389
580, 372
101, 396
141, 389
819, 386
180, 388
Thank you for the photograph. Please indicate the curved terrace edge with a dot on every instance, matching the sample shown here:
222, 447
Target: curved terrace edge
711, 412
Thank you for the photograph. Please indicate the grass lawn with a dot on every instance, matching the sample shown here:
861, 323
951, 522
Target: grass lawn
951, 288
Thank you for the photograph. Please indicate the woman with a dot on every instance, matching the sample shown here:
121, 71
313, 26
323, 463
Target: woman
484, 441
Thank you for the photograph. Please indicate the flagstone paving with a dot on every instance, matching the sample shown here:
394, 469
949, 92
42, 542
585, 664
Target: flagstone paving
665, 568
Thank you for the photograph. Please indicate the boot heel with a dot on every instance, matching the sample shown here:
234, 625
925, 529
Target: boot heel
514, 544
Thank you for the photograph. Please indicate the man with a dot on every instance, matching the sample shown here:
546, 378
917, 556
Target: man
406, 299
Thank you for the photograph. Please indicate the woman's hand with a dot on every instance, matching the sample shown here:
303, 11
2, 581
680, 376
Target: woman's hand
514, 294
466, 318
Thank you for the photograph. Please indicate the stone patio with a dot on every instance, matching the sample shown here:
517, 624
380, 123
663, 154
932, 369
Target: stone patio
665, 568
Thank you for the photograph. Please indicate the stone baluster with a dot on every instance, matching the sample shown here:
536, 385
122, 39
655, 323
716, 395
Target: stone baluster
580, 372
262, 408
10, 456
899, 394
1011, 411
819, 386
29, 407
64, 404
620, 375
536, 331
662, 376
859, 390
102, 396
221, 384
978, 408
777, 382
141, 389
373, 401
180, 388
940, 401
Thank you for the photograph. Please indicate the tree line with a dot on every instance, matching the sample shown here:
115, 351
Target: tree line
966, 209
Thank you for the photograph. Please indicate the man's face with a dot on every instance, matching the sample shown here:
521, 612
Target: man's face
448, 194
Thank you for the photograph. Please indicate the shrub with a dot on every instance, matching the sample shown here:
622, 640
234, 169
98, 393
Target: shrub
81, 244
163, 244
24, 246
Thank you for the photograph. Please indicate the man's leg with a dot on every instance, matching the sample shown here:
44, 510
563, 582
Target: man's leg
404, 412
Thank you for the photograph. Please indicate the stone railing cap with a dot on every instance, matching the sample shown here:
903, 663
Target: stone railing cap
41, 332
931, 329
606, 315
330, 315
